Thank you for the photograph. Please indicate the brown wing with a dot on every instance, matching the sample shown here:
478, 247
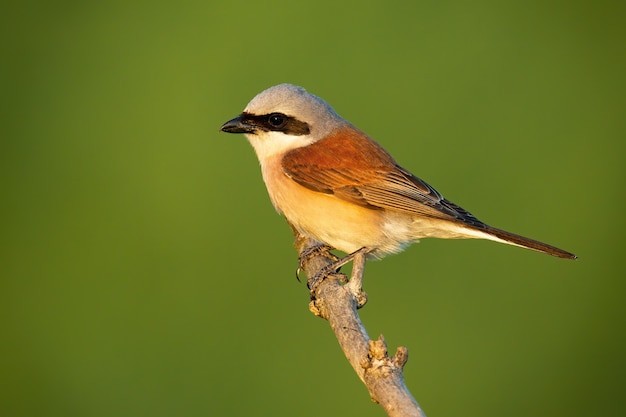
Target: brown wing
354, 168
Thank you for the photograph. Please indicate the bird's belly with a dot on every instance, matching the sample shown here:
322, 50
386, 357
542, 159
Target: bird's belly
336, 223
328, 219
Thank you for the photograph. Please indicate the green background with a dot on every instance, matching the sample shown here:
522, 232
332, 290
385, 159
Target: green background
143, 271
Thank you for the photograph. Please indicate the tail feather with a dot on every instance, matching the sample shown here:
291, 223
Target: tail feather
524, 242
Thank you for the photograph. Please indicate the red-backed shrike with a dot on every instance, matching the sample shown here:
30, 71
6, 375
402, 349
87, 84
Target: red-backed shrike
336, 185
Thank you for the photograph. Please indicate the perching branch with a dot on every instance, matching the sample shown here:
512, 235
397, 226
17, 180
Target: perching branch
337, 303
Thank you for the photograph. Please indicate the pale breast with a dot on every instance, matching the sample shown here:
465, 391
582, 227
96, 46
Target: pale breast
324, 217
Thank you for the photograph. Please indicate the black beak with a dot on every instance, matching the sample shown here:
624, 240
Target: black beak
238, 125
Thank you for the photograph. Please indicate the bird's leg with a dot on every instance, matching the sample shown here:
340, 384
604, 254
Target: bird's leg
312, 251
356, 278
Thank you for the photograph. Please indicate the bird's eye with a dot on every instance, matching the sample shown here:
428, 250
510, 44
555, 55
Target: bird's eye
277, 120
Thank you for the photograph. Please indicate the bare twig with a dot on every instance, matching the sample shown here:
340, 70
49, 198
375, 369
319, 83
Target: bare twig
337, 303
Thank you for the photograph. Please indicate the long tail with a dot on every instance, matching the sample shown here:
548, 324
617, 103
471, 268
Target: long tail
524, 242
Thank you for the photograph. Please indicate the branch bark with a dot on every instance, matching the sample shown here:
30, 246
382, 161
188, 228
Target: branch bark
334, 302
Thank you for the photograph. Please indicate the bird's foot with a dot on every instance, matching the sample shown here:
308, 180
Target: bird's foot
313, 282
354, 285
311, 252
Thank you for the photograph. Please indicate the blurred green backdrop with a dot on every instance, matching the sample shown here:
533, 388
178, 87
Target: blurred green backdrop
143, 270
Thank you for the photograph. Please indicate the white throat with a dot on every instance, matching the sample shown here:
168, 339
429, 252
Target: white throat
268, 144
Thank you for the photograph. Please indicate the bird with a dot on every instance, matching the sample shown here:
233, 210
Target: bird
337, 186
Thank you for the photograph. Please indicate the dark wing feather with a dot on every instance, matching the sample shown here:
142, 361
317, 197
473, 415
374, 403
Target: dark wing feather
353, 167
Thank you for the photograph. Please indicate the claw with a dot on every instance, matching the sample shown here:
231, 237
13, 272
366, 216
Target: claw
311, 252
356, 278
